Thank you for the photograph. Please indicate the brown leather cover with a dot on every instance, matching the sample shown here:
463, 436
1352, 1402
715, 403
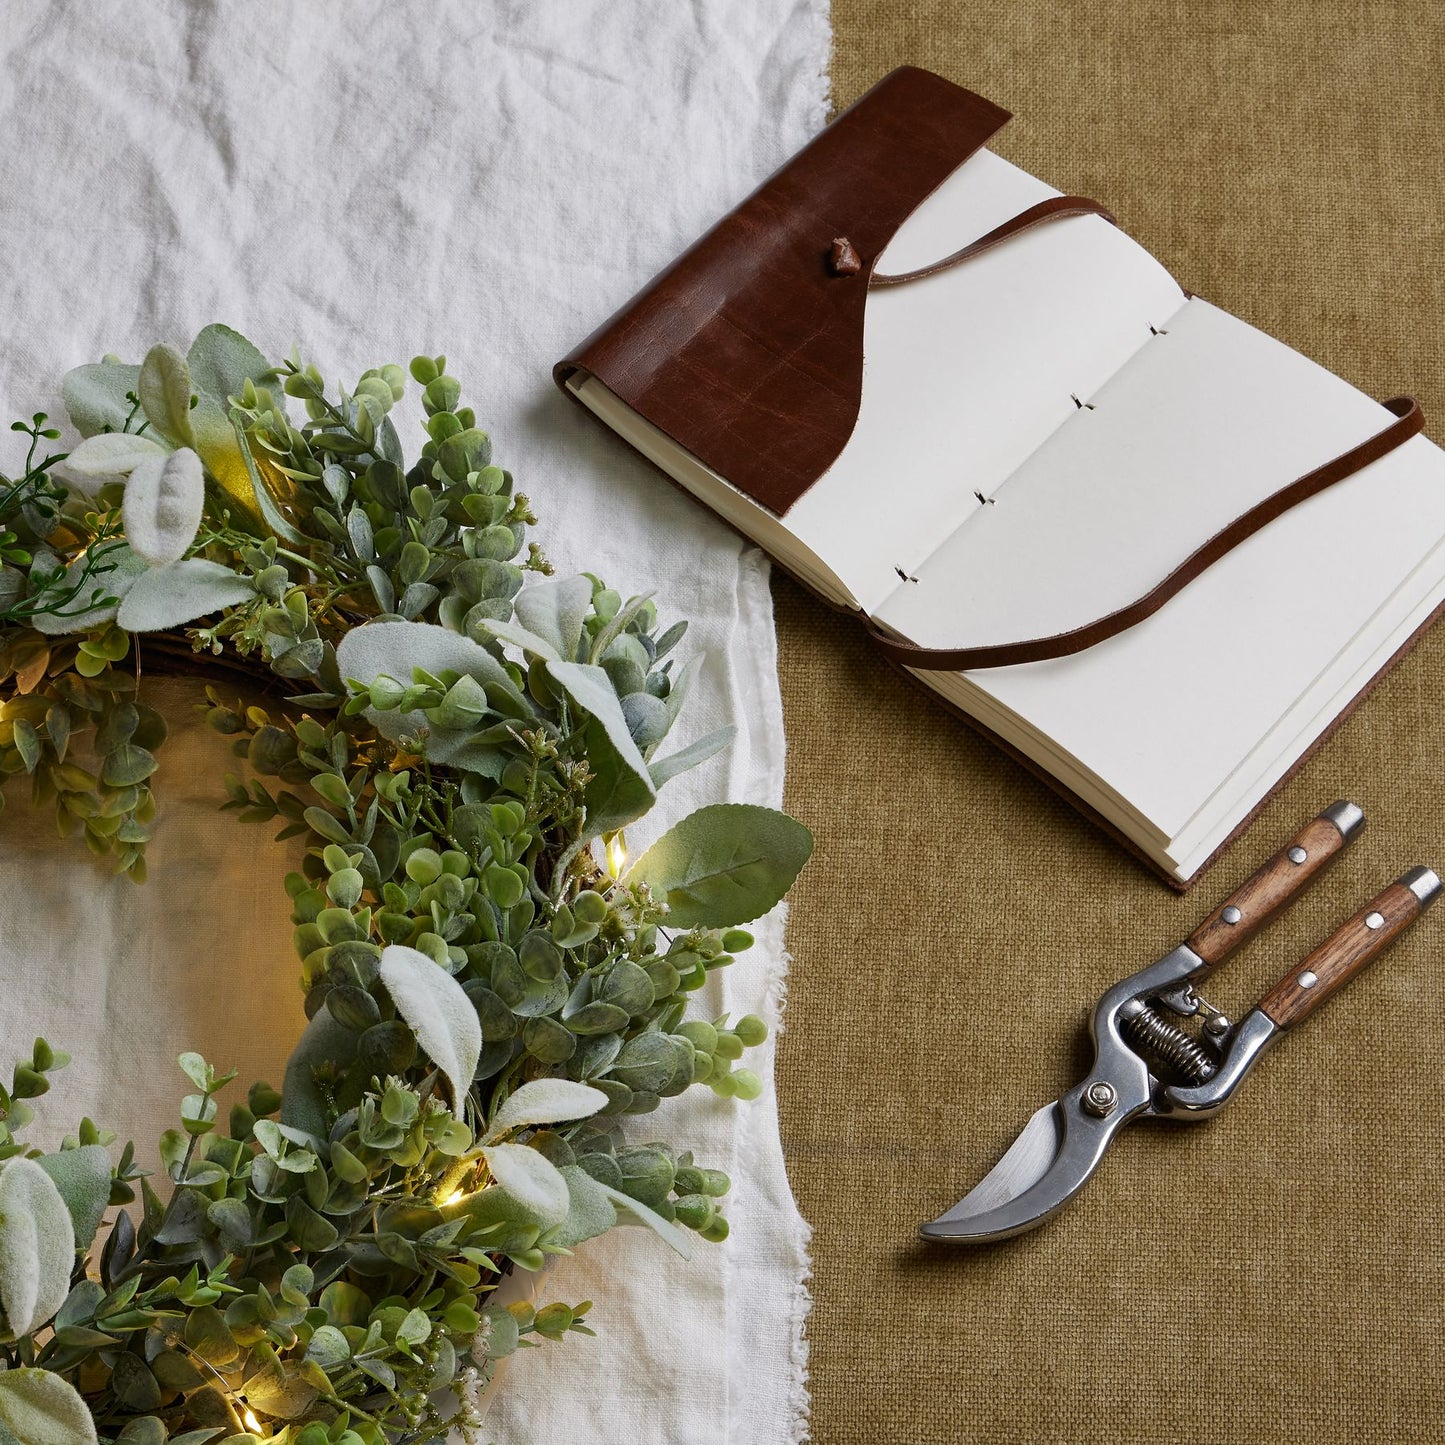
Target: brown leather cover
748, 349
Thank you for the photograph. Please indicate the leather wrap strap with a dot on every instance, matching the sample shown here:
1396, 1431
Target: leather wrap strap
1055, 208
1409, 421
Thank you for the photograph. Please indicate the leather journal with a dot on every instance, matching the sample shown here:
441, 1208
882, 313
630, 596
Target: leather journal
1152, 552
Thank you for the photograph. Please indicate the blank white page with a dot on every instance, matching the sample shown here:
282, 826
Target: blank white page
968, 371
1167, 712
1203, 423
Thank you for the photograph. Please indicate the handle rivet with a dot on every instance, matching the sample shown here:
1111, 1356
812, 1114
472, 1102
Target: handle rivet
1374, 920
1216, 1025
1100, 1099
1231, 915
1297, 854
1308, 979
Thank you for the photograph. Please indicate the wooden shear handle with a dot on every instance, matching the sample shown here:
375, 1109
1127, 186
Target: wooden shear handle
1266, 891
1349, 948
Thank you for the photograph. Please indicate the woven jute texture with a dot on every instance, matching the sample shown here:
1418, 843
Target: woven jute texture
1279, 1273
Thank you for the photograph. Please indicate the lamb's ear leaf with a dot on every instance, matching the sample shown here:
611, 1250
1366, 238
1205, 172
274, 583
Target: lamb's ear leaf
395, 649
113, 577
38, 1407
530, 642
37, 1247
112, 454
554, 610
83, 1178
531, 1179
162, 505
303, 1106
672, 1234
245, 484
681, 686
545, 1101
165, 393
589, 1211
723, 865
221, 362
664, 769
438, 1012
97, 396
621, 789
168, 596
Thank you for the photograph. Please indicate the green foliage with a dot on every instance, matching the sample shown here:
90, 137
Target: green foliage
488, 1006
726, 864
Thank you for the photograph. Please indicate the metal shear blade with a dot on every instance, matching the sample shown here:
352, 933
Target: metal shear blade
1052, 1159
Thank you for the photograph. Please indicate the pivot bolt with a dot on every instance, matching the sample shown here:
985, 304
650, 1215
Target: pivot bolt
1100, 1099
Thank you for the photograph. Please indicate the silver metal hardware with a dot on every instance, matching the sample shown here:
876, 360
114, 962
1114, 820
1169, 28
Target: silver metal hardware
1424, 883
1346, 817
1153, 1033
1255, 1034
1100, 1099
1231, 915
1297, 854
1180, 999
1374, 921
1308, 979
1217, 1025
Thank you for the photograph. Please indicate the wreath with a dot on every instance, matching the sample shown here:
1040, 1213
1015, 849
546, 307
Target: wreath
459, 737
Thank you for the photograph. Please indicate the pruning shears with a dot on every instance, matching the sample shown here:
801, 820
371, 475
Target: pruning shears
1149, 1064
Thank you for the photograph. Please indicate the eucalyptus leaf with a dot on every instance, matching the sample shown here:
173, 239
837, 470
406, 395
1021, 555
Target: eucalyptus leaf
40, 1408
725, 864
37, 1246
440, 1015
325, 1043
647, 719
279, 1392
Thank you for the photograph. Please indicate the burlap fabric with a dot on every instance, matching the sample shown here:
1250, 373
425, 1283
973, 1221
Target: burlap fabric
1279, 1274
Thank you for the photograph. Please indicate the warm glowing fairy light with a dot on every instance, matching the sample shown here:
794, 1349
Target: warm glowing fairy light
616, 855
450, 1197
248, 1418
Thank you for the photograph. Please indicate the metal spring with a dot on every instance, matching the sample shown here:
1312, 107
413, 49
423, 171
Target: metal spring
1147, 1029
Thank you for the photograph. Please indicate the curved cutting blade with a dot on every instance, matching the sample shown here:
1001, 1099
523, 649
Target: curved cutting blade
1050, 1161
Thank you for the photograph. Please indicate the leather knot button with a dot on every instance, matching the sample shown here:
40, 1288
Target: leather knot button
843, 259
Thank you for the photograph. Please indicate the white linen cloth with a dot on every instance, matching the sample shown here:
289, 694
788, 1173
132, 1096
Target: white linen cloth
369, 181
